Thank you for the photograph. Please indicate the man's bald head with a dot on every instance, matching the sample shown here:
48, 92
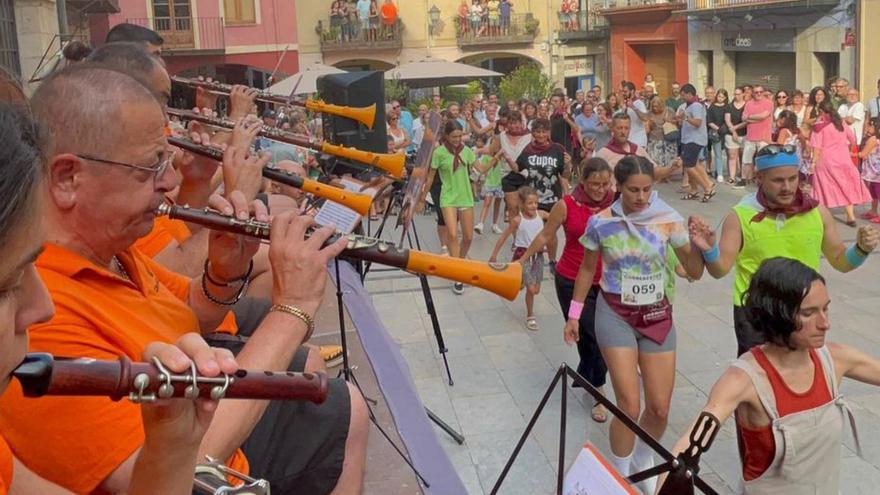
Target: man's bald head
82, 108
290, 191
132, 58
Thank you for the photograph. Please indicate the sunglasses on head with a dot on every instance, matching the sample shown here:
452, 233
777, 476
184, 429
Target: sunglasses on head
775, 149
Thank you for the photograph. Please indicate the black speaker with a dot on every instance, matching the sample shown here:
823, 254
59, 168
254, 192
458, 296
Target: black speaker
355, 89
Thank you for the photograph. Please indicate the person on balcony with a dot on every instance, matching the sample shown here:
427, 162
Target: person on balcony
476, 17
505, 10
363, 14
388, 14
374, 20
336, 21
463, 11
492, 7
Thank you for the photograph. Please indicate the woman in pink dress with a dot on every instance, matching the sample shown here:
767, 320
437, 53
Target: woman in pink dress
836, 181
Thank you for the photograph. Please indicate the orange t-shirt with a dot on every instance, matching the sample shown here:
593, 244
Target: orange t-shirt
77, 442
5, 467
164, 231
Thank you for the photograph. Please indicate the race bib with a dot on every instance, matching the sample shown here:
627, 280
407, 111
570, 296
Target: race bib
641, 290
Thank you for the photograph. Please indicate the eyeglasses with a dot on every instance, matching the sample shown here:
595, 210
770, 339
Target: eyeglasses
782, 97
158, 169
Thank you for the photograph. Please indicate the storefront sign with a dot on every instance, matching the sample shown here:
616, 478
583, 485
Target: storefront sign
580, 66
781, 40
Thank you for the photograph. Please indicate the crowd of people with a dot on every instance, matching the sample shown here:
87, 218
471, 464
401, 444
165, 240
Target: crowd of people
92, 272
363, 20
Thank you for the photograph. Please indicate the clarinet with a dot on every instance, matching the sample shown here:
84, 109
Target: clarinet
212, 478
500, 278
358, 202
42, 374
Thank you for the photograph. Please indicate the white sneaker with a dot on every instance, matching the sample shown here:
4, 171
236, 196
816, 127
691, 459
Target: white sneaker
496, 229
478, 228
444, 251
720, 179
458, 288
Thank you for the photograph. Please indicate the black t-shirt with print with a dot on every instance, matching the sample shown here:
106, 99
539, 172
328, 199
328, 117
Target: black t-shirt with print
543, 171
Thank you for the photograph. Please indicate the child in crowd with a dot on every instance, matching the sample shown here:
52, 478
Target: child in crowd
650, 83
489, 166
524, 228
870, 155
478, 176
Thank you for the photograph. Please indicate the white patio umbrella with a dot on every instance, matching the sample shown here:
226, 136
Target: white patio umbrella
437, 72
305, 81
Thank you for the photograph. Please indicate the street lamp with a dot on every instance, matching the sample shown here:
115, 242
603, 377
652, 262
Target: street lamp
433, 18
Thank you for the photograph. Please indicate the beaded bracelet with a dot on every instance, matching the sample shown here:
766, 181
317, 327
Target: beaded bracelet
228, 283
241, 291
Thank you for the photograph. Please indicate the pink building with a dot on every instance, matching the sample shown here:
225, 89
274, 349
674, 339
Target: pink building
236, 41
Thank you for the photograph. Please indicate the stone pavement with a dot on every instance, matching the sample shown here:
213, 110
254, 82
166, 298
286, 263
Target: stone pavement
501, 370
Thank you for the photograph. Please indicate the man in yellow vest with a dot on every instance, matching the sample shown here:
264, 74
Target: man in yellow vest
777, 220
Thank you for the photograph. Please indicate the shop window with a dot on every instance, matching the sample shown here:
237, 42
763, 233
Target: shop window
240, 11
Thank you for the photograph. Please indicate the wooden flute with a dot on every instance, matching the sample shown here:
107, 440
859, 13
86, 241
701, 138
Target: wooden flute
358, 202
392, 163
42, 374
500, 278
364, 115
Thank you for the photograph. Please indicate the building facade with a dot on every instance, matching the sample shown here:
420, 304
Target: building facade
867, 39
647, 38
237, 41
570, 49
782, 45
28, 30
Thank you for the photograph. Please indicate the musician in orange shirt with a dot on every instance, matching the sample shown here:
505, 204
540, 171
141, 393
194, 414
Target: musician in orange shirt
107, 173
173, 429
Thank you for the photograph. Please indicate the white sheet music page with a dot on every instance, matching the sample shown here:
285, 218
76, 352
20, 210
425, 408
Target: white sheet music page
590, 474
343, 217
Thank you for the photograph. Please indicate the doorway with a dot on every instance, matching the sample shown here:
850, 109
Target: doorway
658, 60
172, 19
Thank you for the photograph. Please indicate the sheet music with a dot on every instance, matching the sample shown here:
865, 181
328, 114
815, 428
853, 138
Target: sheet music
343, 217
590, 474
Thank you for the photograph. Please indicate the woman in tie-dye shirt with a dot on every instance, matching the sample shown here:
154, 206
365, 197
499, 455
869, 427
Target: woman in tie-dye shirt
633, 314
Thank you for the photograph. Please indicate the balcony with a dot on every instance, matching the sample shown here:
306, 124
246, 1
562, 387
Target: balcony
618, 11
187, 35
521, 29
590, 26
93, 6
350, 37
702, 6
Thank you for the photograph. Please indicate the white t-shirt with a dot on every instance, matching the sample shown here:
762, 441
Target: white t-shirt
857, 112
874, 107
637, 132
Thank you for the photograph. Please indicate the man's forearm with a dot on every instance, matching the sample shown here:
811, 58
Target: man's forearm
194, 193
188, 257
271, 347
209, 314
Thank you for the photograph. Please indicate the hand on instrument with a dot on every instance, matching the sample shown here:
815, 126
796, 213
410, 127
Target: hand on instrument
244, 133
181, 422
299, 264
571, 332
241, 101
193, 168
701, 234
204, 97
229, 255
242, 172
867, 238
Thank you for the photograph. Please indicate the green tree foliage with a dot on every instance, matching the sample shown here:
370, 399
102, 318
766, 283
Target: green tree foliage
461, 94
395, 89
526, 81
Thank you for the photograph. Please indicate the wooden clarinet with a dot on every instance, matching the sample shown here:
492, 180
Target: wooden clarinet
358, 202
41, 374
391, 163
364, 115
500, 278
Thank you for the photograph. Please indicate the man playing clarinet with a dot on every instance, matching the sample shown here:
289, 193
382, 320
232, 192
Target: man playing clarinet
107, 173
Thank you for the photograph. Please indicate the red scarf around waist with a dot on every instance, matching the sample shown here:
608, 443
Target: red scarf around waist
801, 204
653, 321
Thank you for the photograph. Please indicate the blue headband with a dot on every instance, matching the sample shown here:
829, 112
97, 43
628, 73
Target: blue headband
781, 159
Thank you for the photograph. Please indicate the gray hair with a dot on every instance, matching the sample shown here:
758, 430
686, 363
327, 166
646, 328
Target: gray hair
130, 58
81, 107
22, 170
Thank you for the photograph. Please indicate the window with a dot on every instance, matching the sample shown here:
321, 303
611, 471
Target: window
240, 11
8, 39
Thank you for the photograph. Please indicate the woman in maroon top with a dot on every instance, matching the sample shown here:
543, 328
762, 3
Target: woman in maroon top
572, 213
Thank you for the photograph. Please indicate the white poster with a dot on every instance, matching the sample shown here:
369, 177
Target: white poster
590, 474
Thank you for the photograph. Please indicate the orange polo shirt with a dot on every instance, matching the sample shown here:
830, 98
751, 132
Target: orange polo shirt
5, 467
77, 442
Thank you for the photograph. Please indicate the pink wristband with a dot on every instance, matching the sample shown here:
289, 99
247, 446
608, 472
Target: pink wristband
575, 309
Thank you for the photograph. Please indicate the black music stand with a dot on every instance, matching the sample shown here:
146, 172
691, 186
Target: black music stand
683, 469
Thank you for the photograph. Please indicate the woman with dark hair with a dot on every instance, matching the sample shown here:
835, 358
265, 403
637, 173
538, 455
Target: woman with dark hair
780, 103
452, 161
166, 463
633, 321
817, 96
836, 181
785, 393
592, 195
870, 155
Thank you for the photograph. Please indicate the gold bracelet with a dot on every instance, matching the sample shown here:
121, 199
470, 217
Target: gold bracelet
302, 315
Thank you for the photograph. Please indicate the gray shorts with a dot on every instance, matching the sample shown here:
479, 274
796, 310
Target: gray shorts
613, 331
533, 270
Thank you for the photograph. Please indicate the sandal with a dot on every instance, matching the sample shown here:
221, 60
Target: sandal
532, 324
709, 195
598, 413
867, 215
690, 196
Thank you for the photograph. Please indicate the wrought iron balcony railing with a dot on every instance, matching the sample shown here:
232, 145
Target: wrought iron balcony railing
350, 36
518, 28
585, 26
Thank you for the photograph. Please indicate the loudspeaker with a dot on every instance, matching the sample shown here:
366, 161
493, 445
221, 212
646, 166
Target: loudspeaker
355, 89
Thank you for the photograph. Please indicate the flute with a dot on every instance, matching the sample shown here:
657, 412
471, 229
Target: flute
42, 374
364, 115
500, 278
358, 202
392, 163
